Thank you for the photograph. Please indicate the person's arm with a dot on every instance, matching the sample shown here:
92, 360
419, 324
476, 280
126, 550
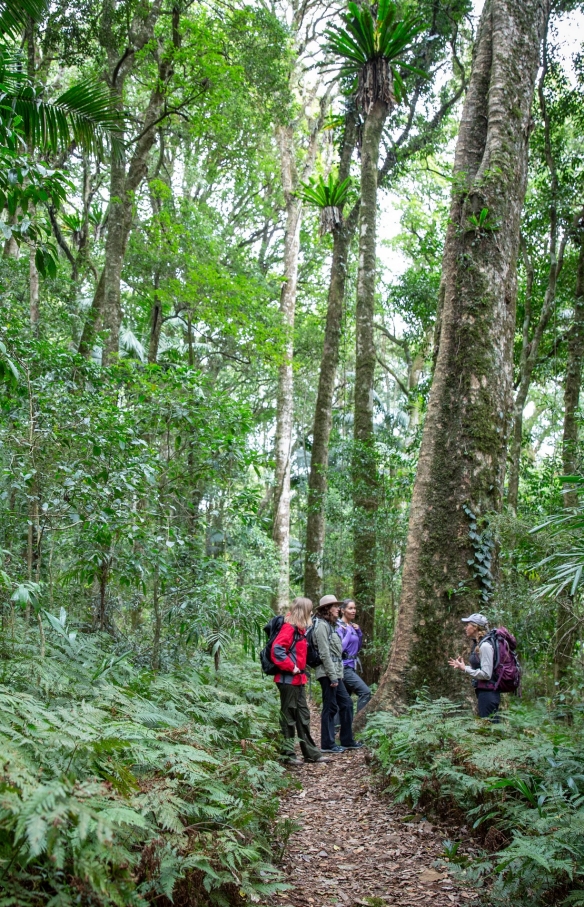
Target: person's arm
321, 633
359, 633
487, 656
281, 649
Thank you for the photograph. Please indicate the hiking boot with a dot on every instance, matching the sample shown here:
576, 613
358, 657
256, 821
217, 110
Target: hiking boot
292, 760
334, 749
319, 760
355, 745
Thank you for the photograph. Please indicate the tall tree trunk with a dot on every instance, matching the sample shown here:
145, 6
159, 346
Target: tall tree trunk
323, 417
285, 395
566, 624
323, 414
529, 357
33, 289
364, 467
156, 321
462, 457
531, 344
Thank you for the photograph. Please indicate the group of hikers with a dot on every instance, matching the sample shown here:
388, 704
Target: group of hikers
329, 640
337, 639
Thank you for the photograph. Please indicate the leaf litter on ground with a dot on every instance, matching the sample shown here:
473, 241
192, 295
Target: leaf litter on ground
353, 846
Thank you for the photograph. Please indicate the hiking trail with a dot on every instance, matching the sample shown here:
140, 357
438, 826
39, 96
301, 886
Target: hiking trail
354, 847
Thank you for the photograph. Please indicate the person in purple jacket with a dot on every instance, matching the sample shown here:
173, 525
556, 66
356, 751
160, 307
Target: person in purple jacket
352, 640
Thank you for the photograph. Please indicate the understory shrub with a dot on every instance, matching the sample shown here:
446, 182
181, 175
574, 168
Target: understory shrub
120, 786
519, 784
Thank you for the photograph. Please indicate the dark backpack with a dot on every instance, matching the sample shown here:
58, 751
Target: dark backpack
313, 659
272, 628
506, 667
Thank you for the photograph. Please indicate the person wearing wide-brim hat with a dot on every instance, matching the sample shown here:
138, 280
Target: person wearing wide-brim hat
481, 665
330, 676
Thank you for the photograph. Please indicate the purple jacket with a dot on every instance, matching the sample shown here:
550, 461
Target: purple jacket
352, 640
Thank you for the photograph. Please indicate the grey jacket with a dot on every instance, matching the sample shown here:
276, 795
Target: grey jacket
487, 659
330, 649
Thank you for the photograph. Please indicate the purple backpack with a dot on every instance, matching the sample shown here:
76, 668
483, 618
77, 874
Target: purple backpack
506, 668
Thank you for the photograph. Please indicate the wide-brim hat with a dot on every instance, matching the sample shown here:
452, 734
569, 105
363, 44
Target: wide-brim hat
327, 600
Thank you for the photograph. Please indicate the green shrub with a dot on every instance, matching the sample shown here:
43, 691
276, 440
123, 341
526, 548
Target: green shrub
119, 786
520, 785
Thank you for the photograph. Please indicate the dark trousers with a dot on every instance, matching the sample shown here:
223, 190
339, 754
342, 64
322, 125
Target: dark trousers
356, 686
488, 702
334, 698
295, 719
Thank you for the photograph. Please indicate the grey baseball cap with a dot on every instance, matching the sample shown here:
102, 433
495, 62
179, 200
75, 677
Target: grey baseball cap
479, 619
328, 600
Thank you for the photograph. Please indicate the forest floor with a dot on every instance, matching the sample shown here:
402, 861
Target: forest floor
356, 847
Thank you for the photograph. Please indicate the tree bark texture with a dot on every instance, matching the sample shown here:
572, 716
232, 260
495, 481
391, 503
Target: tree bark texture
364, 470
285, 395
285, 136
462, 456
323, 414
155, 321
323, 417
33, 289
566, 623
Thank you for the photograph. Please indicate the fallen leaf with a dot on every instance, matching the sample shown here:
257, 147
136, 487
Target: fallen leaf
430, 875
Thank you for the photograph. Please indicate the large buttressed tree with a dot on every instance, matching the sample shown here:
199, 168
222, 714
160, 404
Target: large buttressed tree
449, 556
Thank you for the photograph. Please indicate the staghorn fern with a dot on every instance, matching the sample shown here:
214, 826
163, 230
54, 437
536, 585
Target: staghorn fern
371, 40
328, 196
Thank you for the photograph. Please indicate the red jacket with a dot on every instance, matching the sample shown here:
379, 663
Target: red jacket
286, 659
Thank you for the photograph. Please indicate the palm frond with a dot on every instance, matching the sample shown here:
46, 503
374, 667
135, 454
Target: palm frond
84, 115
15, 14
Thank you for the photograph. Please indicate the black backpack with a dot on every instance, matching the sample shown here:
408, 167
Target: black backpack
313, 659
272, 628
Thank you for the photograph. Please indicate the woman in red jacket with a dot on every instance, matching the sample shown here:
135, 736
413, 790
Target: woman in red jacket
288, 653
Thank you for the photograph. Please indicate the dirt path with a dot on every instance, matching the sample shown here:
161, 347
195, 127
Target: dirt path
354, 846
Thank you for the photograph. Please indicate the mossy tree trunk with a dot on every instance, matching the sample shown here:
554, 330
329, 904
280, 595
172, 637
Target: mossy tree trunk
462, 457
566, 622
364, 466
323, 414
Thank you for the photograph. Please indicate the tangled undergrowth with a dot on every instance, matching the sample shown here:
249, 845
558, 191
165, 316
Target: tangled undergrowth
119, 786
519, 785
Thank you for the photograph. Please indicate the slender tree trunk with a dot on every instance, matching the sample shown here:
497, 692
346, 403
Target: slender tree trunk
364, 467
155, 322
531, 345
285, 394
157, 625
34, 290
529, 357
323, 415
566, 623
462, 457
285, 398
